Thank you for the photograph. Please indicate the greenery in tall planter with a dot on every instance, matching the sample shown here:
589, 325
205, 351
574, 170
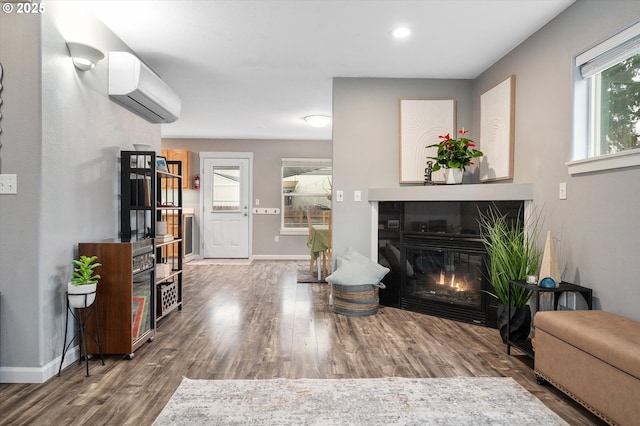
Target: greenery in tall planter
513, 254
82, 287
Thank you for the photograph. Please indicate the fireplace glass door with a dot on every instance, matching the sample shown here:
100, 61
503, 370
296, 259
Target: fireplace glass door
446, 281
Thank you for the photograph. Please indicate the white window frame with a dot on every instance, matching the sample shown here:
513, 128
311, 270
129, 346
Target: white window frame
585, 158
301, 162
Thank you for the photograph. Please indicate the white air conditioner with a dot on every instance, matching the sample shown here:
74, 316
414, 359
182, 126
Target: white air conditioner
136, 87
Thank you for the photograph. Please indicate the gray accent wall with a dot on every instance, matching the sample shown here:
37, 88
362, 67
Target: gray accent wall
62, 136
267, 156
366, 138
596, 228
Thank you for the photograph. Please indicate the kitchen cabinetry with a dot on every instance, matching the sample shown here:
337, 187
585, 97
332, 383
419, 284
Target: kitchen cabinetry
184, 156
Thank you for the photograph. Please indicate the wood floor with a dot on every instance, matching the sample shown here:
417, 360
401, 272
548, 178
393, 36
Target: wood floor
256, 322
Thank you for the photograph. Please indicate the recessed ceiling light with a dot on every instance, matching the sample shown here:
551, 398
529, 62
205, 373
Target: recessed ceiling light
318, 120
401, 32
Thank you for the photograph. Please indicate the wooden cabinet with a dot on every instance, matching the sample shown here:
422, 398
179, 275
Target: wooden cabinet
184, 156
125, 296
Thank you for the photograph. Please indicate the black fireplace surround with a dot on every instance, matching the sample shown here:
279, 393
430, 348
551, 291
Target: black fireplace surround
439, 265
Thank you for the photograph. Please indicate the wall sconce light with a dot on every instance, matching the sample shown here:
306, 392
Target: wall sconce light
318, 120
84, 57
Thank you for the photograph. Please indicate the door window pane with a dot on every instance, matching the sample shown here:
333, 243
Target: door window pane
225, 188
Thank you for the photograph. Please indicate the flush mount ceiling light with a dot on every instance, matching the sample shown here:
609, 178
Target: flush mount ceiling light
401, 32
84, 57
318, 120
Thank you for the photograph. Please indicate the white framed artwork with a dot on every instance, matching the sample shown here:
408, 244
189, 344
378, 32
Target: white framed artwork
422, 121
497, 107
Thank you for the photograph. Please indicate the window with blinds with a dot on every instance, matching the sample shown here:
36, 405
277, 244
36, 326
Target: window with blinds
607, 98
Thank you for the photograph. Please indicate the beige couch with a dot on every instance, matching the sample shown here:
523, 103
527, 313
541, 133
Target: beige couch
594, 357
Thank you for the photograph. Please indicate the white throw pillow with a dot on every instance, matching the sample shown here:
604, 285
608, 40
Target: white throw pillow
357, 269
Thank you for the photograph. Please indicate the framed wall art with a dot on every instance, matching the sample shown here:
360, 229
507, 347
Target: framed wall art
421, 122
497, 115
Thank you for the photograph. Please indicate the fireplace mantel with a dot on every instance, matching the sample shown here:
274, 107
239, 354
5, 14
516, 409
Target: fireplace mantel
472, 192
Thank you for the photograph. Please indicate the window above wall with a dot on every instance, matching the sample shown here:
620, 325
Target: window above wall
306, 193
607, 105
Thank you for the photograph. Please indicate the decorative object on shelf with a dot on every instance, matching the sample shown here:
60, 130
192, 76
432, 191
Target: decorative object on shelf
497, 107
421, 121
161, 164
427, 173
512, 256
82, 287
548, 282
532, 279
454, 155
549, 265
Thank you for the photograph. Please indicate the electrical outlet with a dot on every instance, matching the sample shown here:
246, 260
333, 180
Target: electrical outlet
339, 196
8, 184
563, 190
277, 238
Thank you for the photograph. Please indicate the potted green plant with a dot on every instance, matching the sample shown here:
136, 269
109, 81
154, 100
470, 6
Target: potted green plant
513, 255
454, 155
81, 289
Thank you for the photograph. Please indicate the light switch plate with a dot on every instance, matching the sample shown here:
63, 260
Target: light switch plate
8, 183
563, 191
339, 196
357, 195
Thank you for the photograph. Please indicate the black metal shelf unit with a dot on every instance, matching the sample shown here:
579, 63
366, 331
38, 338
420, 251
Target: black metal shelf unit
138, 192
169, 239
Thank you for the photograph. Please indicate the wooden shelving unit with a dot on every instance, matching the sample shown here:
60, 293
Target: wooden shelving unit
124, 295
141, 272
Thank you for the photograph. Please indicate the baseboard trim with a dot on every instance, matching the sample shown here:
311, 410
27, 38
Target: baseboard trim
280, 257
38, 374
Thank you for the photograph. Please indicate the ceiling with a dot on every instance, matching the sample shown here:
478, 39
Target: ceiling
252, 69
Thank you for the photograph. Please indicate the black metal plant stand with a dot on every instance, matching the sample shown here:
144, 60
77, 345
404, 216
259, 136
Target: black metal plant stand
82, 319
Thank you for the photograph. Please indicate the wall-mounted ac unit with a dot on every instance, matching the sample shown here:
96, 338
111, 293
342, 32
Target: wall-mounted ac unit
136, 87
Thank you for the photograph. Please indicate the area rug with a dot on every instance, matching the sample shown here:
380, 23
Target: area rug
387, 401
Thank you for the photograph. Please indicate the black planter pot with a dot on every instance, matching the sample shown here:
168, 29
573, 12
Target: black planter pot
520, 322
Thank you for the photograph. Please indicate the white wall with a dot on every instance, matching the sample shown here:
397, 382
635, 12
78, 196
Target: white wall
63, 136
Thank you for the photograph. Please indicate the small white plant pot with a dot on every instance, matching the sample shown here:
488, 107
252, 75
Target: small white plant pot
81, 296
454, 176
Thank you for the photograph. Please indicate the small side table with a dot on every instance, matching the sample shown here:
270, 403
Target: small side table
82, 319
563, 287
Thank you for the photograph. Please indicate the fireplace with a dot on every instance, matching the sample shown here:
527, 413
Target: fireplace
439, 265
449, 276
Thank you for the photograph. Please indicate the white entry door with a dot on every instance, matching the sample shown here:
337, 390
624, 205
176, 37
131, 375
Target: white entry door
225, 189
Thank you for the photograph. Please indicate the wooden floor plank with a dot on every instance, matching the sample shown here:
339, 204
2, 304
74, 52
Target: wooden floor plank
256, 322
